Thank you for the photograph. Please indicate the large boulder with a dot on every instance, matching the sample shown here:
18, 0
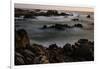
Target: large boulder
83, 51
53, 46
41, 55
21, 39
55, 54
28, 56
35, 54
67, 49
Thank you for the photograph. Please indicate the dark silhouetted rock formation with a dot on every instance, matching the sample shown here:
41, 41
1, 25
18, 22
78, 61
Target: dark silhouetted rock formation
88, 16
75, 19
61, 26
83, 50
25, 54
78, 25
55, 54
21, 38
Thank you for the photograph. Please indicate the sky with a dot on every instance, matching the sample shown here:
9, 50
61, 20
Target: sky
53, 7
82, 3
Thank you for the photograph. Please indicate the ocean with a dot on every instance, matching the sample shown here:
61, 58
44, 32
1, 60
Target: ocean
49, 36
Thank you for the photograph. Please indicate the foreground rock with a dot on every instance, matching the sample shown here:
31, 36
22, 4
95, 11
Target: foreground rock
25, 54
55, 53
83, 50
21, 39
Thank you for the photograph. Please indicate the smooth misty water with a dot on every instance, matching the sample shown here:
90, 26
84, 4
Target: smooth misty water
50, 36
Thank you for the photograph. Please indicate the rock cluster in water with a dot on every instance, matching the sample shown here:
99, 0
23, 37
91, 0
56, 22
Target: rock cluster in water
37, 12
62, 26
26, 54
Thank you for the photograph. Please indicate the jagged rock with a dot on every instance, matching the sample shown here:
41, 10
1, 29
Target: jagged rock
55, 54
57, 26
67, 49
41, 54
78, 25
19, 59
29, 16
83, 51
21, 39
61, 26
25, 54
29, 13
53, 46
83, 40
75, 19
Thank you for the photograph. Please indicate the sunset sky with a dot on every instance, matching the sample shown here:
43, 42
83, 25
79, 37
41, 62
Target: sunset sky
53, 7
81, 3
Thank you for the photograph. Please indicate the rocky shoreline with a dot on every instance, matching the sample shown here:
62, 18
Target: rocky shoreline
25, 54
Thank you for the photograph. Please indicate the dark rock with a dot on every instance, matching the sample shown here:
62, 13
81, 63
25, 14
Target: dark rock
44, 27
88, 16
67, 49
25, 54
63, 14
53, 46
29, 16
21, 39
78, 25
41, 54
52, 12
58, 26
83, 51
61, 26
75, 19
56, 55
19, 59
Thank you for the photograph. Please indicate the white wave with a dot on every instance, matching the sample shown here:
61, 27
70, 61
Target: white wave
52, 18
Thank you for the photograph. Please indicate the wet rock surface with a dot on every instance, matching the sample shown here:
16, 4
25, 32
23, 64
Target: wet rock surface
25, 54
